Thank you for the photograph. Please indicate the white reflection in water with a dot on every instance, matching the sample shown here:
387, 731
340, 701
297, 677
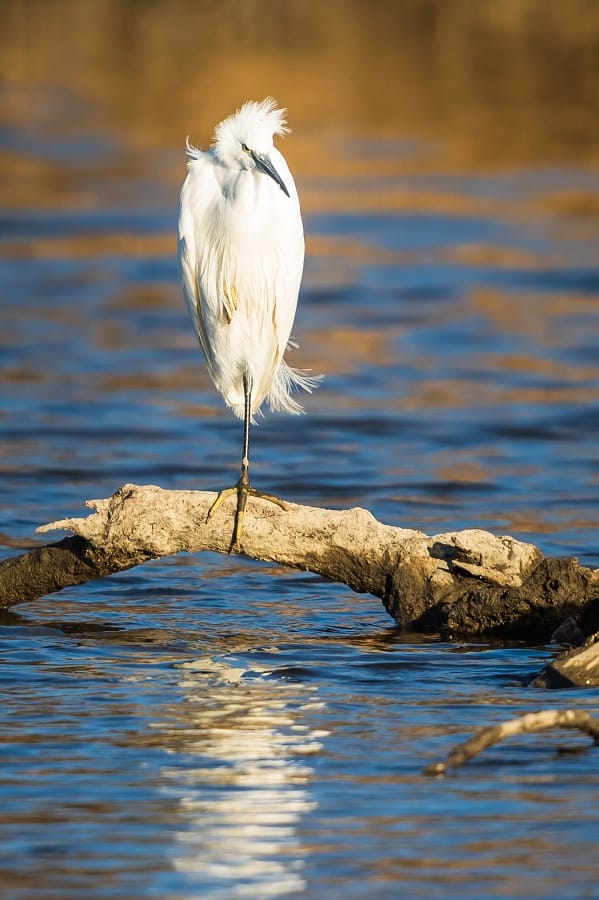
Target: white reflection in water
241, 779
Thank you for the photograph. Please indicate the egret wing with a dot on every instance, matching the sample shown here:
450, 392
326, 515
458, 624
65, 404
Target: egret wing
189, 260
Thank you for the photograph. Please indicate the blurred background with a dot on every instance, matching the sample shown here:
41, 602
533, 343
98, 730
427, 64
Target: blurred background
446, 154
447, 157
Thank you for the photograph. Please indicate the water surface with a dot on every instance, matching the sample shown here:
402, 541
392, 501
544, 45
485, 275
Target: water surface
210, 727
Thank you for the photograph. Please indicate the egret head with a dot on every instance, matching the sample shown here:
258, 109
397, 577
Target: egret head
245, 139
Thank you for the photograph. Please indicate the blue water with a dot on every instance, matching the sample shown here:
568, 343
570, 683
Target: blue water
210, 727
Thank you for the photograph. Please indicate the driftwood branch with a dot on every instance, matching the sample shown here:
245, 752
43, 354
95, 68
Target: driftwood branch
578, 667
466, 582
538, 721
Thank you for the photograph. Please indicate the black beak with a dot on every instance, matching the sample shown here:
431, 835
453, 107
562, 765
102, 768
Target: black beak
264, 164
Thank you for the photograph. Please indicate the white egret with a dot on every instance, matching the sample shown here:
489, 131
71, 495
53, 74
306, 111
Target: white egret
241, 253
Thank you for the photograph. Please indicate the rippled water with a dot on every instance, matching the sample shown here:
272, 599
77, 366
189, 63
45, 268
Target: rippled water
210, 727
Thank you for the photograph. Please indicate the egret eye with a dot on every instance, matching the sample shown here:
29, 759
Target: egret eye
245, 148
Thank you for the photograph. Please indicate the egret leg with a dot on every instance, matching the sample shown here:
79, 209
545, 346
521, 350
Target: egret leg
242, 488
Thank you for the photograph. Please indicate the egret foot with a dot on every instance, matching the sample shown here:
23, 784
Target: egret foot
243, 489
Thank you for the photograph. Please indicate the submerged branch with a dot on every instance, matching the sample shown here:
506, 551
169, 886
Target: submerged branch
466, 582
538, 721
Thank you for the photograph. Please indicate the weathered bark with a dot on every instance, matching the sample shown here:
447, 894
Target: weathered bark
51, 568
467, 582
538, 721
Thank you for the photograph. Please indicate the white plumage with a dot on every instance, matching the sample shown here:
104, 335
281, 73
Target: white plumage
241, 253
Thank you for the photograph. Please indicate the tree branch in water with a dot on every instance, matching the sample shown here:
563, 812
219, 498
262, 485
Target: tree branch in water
538, 721
467, 582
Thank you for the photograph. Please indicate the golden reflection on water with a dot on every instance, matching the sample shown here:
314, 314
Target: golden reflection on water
495, 83
380, 96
